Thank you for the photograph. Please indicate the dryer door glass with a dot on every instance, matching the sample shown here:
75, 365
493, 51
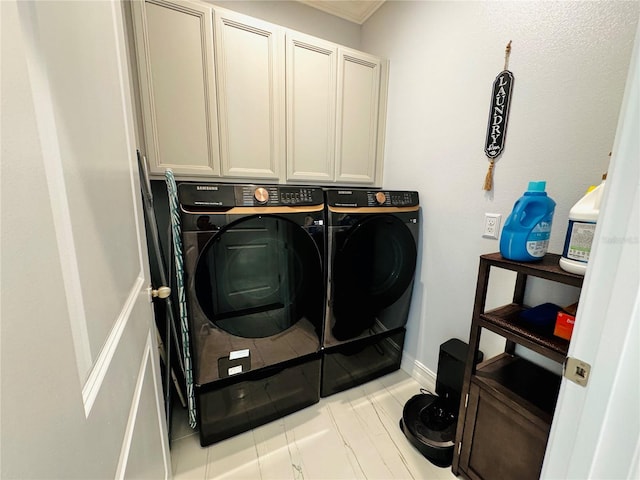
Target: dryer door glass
373, 267
259, 276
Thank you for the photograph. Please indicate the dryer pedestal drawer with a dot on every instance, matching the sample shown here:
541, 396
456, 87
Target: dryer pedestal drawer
234, 406
355, 363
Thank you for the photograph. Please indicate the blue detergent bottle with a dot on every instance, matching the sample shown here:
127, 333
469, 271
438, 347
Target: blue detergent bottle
525, 235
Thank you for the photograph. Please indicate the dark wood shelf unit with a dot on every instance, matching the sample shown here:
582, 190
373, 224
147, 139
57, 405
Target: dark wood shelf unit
508, 401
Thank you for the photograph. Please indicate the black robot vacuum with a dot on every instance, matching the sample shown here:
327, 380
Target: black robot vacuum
430, 426
429, 421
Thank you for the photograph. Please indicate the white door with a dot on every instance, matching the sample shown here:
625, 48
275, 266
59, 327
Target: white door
596, 429
81, 396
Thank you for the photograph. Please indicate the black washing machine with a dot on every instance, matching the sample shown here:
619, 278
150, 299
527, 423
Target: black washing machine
372, 239
254, 269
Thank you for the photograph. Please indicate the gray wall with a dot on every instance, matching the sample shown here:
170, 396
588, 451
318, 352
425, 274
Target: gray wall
570, 62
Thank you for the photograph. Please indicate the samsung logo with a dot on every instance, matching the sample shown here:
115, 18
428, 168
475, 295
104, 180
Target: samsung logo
345, 192
206, 187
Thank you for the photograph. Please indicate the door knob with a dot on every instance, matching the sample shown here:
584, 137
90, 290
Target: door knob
162, 292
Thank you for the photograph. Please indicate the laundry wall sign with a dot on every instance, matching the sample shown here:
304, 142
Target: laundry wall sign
499, 114
498, 117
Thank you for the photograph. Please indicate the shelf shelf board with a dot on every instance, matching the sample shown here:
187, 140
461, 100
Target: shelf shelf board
505, 321
547, 268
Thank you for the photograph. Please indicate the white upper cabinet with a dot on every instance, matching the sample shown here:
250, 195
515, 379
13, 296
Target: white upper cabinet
335, 112
311, 108
237, 98
250, 74
358, 143
174, 46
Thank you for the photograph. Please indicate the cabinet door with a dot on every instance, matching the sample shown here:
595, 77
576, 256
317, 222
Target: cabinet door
357, 145
250, 73
174, 44
500, 441
311, 108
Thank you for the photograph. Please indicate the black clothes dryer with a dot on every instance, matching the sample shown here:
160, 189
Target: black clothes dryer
254, 269
372, 252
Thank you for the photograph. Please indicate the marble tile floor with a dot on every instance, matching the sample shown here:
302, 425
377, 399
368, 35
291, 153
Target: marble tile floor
350, 435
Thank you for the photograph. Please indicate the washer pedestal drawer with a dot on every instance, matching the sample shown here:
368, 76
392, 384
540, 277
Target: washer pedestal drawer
237, 404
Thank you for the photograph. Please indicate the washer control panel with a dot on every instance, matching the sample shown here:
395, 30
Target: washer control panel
222, 196
277, 195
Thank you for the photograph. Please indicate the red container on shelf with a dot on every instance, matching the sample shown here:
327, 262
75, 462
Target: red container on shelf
564, 325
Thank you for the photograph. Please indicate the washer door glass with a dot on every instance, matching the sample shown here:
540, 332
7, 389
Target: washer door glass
259, 276
373, 267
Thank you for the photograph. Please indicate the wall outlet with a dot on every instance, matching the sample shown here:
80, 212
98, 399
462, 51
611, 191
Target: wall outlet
492, 225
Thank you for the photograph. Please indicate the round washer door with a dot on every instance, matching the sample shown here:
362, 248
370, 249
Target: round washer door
259, 276
373, 268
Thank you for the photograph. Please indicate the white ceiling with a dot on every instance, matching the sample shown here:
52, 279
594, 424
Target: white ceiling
356, 11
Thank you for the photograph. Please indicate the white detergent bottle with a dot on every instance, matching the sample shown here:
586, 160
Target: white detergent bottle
582, 225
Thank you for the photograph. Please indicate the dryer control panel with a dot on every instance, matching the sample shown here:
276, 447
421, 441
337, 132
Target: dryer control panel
344, 197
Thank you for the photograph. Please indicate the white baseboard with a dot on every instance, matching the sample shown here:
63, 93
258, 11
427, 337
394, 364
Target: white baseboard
421, 374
